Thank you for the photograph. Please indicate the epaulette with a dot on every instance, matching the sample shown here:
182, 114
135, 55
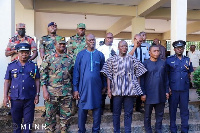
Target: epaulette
12, 62
28, 36
13, 38
72, 36
45, 36
30, 61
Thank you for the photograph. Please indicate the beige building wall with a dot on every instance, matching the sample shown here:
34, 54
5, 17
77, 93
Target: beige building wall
25, 16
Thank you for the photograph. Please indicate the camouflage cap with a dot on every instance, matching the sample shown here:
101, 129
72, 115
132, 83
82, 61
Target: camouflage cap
60, 39
81, 26
20, 25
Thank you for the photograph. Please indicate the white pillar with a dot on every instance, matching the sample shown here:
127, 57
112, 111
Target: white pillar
7, 26
178, 21
138, 25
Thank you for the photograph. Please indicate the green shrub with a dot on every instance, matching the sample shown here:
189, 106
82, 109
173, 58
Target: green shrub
196, 80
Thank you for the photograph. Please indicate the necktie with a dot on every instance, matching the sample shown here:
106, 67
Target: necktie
140, 54
136, 54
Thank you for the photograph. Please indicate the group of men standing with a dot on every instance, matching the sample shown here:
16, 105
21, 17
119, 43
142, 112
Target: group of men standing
77, 70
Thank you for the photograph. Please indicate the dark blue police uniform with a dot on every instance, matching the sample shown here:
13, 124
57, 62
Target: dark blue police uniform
178, 70
23, 92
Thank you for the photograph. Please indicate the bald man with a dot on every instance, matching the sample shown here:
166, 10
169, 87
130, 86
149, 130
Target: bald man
88, 84
141, 53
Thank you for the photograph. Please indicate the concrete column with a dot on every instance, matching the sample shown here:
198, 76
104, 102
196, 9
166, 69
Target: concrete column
26, 16
7, 26
138, 25
178, 21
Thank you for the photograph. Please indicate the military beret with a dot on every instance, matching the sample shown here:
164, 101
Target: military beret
179, 43
60, 39
20, 25
81, 26
23, 46
52, 23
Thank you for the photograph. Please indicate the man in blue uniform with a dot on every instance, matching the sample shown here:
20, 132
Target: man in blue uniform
22, 78
88, 84
154, 84
179, 68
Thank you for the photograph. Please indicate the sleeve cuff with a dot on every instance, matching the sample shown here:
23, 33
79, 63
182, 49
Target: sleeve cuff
43, 83
75, 88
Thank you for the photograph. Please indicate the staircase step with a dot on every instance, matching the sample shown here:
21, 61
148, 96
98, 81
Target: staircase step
106, 126
138, 127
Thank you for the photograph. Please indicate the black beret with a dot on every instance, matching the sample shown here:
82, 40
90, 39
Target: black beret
51, 23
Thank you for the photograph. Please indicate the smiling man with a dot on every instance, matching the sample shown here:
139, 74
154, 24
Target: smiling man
22, 79
88, 83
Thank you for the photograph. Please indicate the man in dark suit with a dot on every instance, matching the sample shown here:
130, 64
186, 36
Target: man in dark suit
154, 84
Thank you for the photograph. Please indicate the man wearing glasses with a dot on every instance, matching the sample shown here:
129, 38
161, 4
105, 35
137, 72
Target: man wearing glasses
141, 53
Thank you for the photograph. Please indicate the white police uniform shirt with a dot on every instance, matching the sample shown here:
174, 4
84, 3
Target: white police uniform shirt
145, 52
147, 45
106, 50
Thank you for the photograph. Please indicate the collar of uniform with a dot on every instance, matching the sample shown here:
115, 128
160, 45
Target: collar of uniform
91, 51
82, 38
50, 36
177, 57
61, 55
19, 64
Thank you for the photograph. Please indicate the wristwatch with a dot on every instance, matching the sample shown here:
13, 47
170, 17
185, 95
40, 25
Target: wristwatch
38, 94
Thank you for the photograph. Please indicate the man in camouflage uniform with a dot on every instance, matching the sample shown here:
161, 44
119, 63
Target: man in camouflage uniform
20, 37
47, 42
76, 44
56, 76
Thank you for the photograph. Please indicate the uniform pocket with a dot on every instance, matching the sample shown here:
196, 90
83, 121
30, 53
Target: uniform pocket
14, 91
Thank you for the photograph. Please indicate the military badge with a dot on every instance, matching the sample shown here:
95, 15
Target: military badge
15, 75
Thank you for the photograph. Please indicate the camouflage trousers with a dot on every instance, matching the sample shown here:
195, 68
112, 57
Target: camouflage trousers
61, 104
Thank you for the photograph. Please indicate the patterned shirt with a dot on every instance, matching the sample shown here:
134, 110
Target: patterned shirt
56, 74
123, 73
47, 43
74, 45
16, 40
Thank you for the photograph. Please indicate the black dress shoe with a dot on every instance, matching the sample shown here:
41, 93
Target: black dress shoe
140, 110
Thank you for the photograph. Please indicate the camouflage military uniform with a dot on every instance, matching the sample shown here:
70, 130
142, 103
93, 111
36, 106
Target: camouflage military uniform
74, 45
56, 74
47, 43
16, 40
